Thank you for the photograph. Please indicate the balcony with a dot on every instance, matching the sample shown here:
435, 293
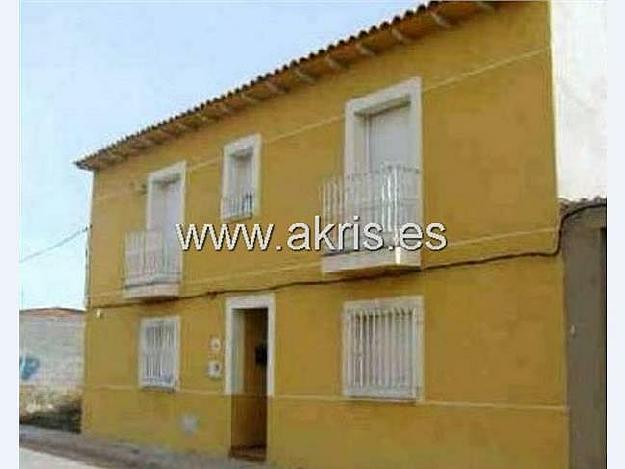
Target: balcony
388, 196
153, 265
238, 206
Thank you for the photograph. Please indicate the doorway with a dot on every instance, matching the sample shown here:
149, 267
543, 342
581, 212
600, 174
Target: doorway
249, 375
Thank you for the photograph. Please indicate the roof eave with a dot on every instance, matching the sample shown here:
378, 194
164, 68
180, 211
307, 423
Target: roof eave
308, 70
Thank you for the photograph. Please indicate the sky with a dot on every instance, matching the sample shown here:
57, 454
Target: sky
92, 72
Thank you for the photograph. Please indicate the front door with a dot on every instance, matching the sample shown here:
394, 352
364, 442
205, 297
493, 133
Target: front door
249, 396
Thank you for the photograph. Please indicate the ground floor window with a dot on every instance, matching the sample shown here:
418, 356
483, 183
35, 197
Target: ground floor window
158, 352
383, 348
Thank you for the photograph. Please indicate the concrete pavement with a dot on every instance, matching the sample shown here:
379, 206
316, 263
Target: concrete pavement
104, 453
30, 459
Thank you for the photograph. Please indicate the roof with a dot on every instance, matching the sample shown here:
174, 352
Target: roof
54, 312
570, 207
402, 29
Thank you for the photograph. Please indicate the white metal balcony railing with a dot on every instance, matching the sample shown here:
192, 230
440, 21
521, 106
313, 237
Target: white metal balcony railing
387, 196
151, 258
238, 205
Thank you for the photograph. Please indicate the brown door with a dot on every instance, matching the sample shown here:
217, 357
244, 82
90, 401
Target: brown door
249, 402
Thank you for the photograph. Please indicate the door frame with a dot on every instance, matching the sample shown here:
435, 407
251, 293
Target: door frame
234, 304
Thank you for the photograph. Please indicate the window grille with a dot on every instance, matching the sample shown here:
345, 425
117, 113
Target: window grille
239, 198
382, 348
159, 349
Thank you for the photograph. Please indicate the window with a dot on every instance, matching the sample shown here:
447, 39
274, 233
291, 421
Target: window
165, 203
240, 194
382, 180
153, 257
382, 348
158, 352
388, 138
384, 129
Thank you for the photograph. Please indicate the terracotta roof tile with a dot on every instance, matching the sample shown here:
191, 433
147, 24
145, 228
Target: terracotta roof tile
410, 25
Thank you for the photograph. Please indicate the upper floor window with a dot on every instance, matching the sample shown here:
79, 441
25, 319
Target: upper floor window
384, 129
241, 174
382, 181
383, 348
159, 352
165, 204
152, 255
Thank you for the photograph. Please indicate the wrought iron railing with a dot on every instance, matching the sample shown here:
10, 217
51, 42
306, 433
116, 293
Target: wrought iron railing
238, 205
151, 258
387, 196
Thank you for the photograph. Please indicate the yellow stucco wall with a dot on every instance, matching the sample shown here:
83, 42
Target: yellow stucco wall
494, 346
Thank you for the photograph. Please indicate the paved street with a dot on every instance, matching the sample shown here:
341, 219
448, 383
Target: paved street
30, 459
34, 442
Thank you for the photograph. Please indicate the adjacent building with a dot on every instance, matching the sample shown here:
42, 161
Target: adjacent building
51, 358
485, 354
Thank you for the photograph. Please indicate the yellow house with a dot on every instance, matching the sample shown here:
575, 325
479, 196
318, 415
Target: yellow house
480, 355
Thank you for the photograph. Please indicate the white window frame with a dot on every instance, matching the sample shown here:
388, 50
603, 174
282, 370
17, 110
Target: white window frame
249, 143
150, 383
357, 110
175, 171
351, 389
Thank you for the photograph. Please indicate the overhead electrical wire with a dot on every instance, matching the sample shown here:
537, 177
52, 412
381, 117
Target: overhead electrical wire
553, 251
56, 245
